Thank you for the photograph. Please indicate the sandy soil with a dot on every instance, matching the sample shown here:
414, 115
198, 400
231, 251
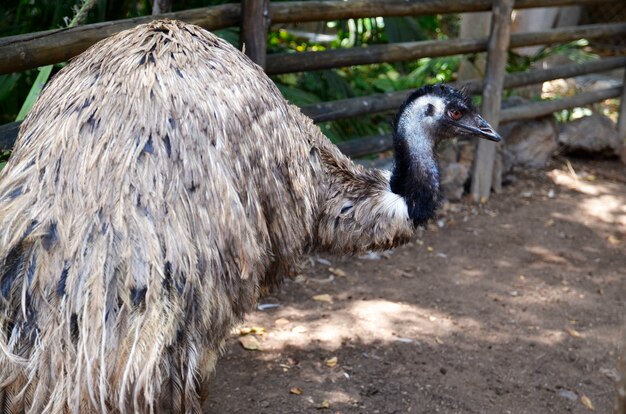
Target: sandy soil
513, 307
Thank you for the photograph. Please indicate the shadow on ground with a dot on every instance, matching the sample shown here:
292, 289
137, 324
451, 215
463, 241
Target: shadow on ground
513, 307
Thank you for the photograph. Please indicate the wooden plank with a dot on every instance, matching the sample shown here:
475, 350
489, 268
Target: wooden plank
367, 145
396, 52
530, 77
254, 25
486, 155
31, 50
568, 34
8, 132
308, 11
543, 108
351, 107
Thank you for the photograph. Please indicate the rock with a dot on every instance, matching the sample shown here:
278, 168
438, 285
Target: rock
455, 163
529, 143
453, 178
466, 153
594, 134
447, 152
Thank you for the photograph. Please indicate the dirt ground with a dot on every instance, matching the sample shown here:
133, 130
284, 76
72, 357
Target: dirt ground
513, 307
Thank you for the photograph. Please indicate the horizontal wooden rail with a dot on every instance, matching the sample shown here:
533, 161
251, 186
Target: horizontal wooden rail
515, 80
537, 109
375, 144
395, 52
31, 50
351, 107
347, 108
309, 11
366, 145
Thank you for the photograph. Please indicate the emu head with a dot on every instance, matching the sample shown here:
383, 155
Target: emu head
437, 112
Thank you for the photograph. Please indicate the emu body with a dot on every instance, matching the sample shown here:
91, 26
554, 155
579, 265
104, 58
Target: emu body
158, 185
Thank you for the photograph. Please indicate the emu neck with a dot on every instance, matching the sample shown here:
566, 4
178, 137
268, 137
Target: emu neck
416, 175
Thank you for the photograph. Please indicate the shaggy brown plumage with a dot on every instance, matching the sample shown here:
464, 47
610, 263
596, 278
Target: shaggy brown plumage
158, 184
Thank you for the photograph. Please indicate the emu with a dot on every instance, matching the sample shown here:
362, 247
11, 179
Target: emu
159, 184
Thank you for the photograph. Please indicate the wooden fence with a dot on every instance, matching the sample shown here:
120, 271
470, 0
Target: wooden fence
255, 16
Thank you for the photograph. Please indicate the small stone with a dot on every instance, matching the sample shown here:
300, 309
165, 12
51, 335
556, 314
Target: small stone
299, 329
567, 394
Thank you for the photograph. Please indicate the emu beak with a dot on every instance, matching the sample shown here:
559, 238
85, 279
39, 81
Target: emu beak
480, 129
486, 131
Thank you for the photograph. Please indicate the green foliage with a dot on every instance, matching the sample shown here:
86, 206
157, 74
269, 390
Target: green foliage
575, 51
35, 91
325, 85
4, 158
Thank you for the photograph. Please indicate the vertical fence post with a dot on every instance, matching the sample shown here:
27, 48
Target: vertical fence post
621, 121
499, 39
254, 26
161, 6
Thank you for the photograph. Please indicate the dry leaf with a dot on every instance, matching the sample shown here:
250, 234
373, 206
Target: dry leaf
573, 332
325, 404
281, 321
549, 223
331, 362
438, 340
406, 274
250, 343
337, 272
613, 240
587, 402
295, 390
246, 330
299, 329
323, 298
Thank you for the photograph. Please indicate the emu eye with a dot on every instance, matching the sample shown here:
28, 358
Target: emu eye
455, 114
